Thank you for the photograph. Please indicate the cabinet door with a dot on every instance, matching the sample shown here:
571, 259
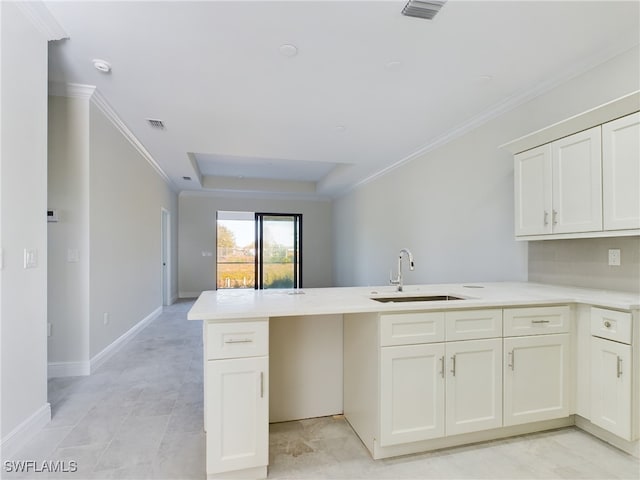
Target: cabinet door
411, 393
474, 386
536, 378
621, 172
611, 386
238, 414
532, 173
577, 182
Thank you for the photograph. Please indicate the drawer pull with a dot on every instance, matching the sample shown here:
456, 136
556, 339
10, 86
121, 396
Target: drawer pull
619, 367
546, 218
540, 321
453, 365
442, 366
607, 323
511, 358
242, 340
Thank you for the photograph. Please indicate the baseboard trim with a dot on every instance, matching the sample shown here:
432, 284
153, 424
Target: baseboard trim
67, 369
121, 341
189, 294
632, 448
24, 432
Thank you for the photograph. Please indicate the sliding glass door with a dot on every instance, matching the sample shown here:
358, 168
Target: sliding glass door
258, 250
279, 253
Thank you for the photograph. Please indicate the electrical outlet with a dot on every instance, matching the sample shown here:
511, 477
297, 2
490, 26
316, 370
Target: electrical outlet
73, 255
106, 318
48, 329
614, 257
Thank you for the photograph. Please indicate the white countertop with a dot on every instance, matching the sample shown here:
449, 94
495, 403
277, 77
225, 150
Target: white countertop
243, 304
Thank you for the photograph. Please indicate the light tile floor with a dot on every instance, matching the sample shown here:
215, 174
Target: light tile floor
140, 416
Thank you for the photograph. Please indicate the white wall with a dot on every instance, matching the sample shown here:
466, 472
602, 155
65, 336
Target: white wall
453, 206
197, 234
109, 201
23, 179
68, 193
127, 197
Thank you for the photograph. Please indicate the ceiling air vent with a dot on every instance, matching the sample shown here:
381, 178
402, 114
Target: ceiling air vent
156, 123
423, 8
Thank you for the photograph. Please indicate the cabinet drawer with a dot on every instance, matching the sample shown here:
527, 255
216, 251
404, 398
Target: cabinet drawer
473, 324
411, 328
611, 325
536, 320
238, 339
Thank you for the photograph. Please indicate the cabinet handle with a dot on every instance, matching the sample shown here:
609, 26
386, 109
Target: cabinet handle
540, 321
453, 365
442, 366
512, 356
555, 217
546, 218
261, 384
619, 367
607, 323
241, 340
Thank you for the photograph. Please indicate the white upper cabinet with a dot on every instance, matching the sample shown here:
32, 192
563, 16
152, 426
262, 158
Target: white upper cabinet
558, 186
580, 177
621, 172
577, 183
532, 172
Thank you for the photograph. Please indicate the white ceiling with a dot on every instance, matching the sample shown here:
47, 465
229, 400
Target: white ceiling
367, 89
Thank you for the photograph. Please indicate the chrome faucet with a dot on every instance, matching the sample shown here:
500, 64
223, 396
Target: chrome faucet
398, 280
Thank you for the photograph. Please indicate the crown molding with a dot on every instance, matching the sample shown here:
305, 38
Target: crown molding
71, 90
101, 103
41, 18
228, 194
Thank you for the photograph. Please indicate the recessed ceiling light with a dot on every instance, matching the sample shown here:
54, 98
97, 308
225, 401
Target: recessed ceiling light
341, 128
288, 50
393, 66
102, 65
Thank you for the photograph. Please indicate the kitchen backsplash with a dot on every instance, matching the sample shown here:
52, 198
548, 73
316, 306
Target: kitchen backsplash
584, 263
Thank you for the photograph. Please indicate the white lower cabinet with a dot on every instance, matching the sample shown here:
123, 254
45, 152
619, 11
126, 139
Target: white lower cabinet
432, 390
536, 378
611, 386
237, 414
411, 393
473, 386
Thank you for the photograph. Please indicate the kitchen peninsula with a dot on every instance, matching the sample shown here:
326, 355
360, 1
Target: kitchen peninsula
471, 363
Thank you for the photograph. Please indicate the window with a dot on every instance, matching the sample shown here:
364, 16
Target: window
259, 250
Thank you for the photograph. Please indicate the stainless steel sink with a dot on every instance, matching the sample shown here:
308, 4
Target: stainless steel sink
422, 298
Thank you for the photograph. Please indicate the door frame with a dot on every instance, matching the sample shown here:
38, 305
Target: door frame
165, 256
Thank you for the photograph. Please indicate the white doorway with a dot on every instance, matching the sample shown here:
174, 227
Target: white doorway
166, 256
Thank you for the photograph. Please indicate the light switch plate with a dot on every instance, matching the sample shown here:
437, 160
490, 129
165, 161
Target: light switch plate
30, 258
614, 257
